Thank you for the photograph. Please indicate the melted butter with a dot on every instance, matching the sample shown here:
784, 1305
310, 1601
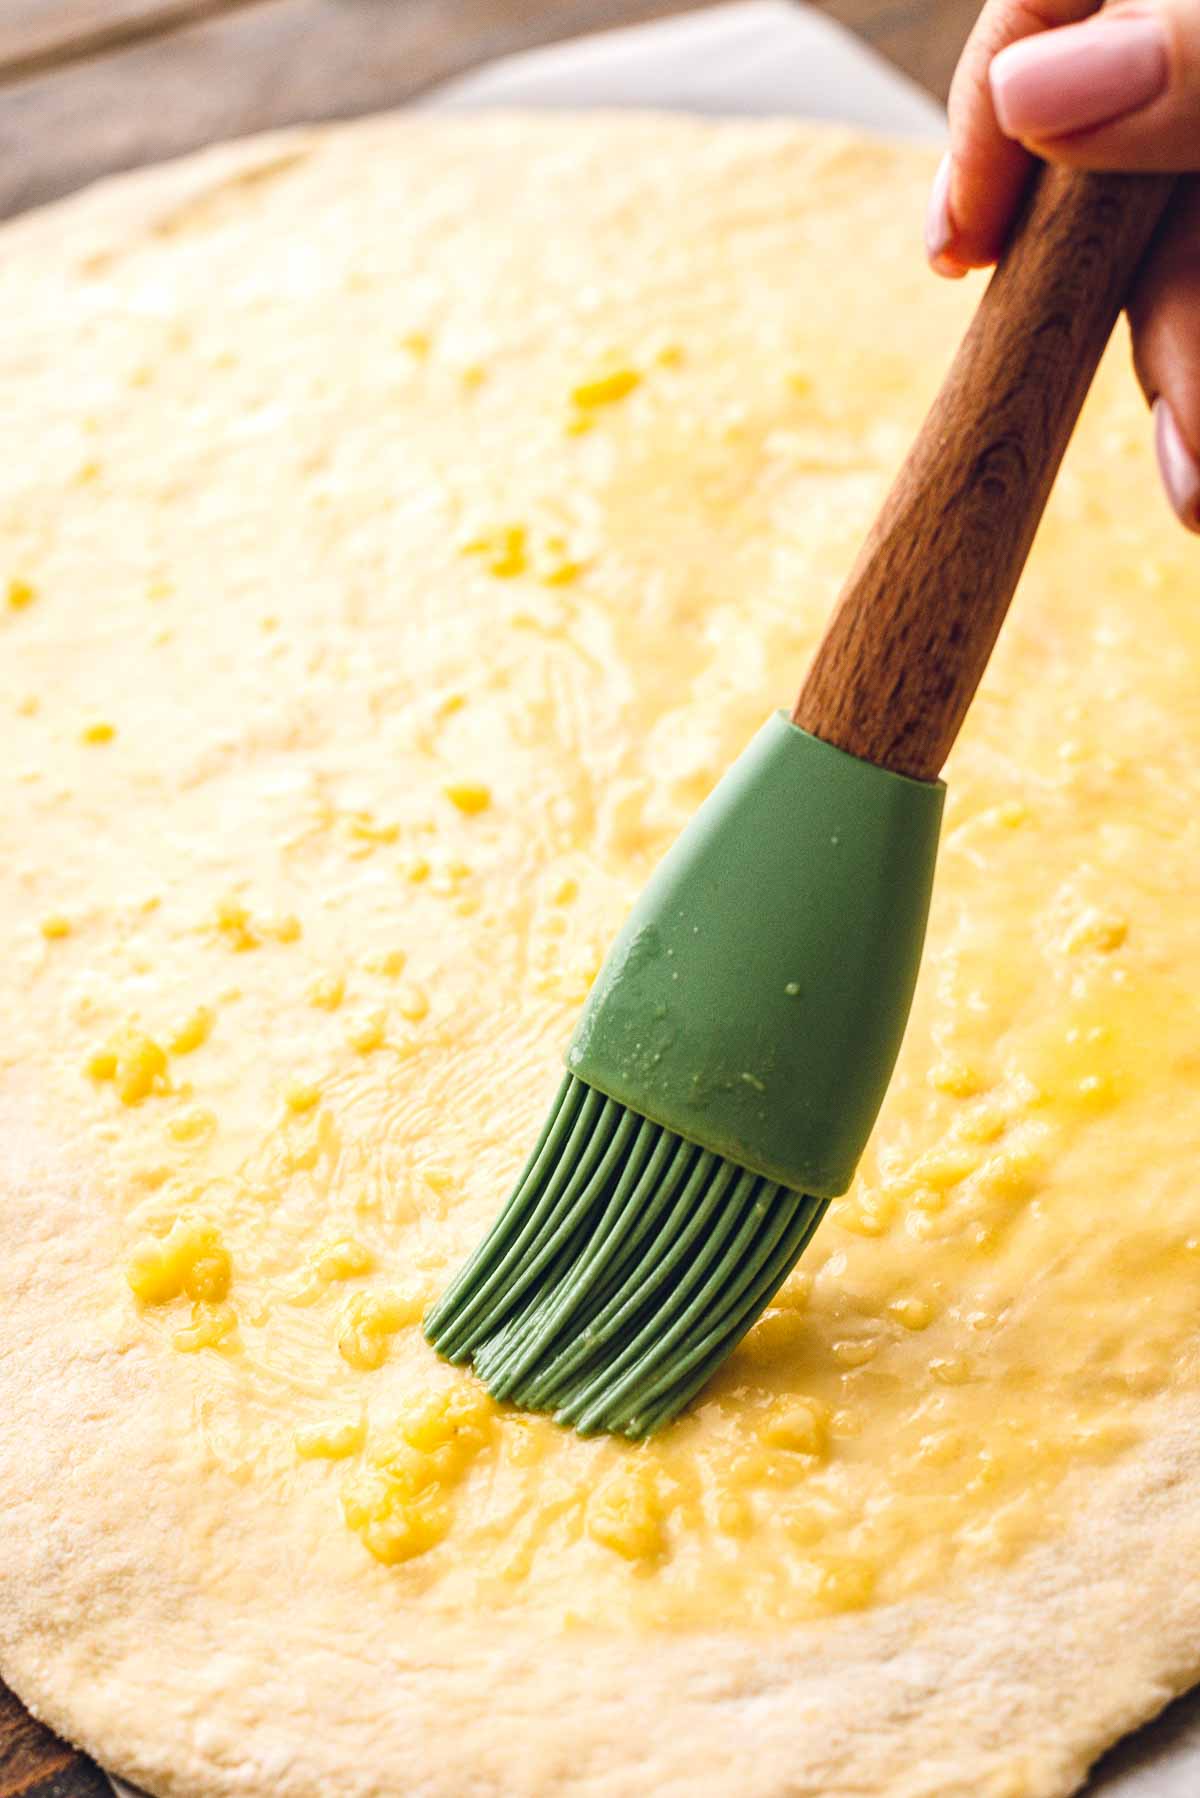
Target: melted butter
135, 1063
400, 1500
193, 1032
370, 1320
190, 1259
337, 881
331, 1440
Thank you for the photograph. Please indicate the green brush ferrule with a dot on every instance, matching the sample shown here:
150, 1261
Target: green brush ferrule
755, 999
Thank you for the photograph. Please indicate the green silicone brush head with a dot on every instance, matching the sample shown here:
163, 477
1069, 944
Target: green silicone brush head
722, 1082
626, 1265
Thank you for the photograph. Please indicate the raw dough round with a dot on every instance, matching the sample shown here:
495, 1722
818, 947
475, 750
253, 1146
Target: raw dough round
402, 525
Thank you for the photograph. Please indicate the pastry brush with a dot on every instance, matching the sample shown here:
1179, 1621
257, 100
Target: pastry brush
730, 1061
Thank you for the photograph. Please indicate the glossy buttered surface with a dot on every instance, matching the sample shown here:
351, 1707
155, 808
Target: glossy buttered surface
364, 640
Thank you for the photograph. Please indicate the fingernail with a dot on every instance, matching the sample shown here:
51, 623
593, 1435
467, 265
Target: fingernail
1178, 466
1079, 76
939, 226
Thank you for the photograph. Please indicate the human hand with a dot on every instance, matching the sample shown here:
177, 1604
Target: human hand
1118, 89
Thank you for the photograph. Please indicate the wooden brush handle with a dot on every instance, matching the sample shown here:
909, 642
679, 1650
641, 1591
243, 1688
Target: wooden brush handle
916, 621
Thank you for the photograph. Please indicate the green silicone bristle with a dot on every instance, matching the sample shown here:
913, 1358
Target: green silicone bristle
624, 1268
752, 1002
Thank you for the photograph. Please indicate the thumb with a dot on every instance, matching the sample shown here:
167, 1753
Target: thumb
1121, 90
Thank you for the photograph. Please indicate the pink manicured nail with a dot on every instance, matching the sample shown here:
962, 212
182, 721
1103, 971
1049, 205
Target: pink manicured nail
1179, 468
1078, 76
939, 226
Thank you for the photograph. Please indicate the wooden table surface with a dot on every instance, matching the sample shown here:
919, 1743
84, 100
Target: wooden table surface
91, 86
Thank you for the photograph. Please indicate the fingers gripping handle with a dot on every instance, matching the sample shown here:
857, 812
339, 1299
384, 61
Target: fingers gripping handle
917, 619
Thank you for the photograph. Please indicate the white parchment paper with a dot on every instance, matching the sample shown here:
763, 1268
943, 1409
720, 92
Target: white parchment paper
761, 57
754, 58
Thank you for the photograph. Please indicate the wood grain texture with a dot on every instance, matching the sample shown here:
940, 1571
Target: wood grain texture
256, 67
35, 1764
36, 35
250, 67
917, 619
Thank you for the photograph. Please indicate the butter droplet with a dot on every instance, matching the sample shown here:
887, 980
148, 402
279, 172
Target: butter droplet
605, 390
330, 1441
193, 1032
469, 796
327, 992
413, 1004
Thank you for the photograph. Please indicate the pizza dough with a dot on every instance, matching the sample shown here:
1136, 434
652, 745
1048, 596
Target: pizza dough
402, 526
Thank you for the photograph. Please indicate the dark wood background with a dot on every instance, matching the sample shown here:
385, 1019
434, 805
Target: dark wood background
91, 86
